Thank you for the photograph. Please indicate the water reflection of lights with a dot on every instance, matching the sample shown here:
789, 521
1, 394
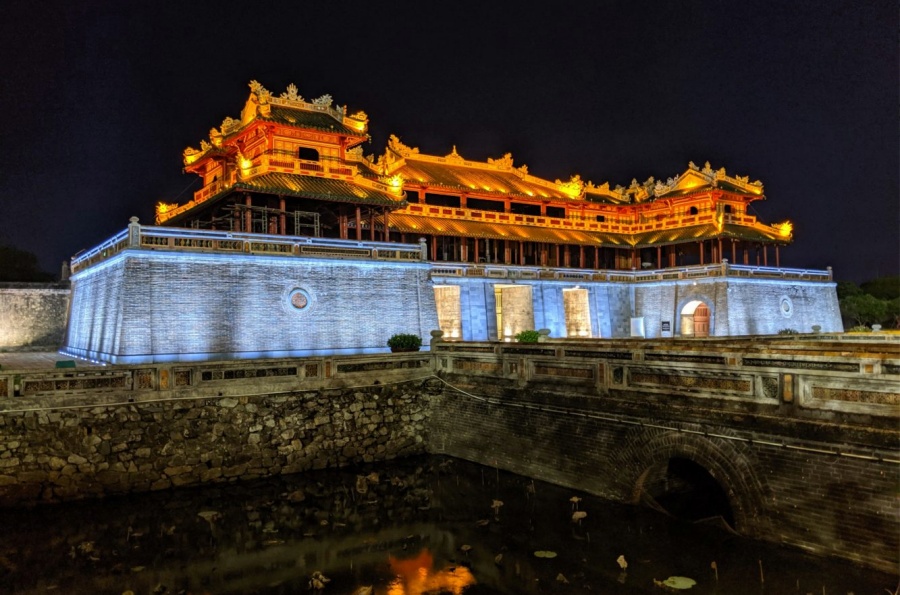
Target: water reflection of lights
416, 576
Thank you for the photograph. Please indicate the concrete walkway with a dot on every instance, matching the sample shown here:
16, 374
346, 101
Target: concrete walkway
38, 360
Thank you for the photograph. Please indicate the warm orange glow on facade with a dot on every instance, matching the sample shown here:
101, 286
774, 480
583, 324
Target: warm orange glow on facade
288, 147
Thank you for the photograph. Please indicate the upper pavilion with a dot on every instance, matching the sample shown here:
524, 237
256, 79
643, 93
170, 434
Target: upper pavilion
295, 167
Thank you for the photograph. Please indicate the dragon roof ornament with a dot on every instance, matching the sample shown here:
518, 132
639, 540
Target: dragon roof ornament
395, 145
505, 162
574, 187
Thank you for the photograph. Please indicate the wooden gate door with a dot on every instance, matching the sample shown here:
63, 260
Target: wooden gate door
701, 321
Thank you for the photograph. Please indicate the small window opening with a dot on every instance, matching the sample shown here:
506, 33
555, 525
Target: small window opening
308, 153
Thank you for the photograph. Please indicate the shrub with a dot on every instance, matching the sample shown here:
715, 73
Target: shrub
859, 328
528, 337
788, 331
404, 341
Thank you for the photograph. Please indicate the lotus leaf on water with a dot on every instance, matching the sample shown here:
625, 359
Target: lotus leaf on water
544, 554
678, 582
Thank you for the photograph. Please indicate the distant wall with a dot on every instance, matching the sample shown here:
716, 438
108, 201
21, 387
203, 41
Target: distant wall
147, 306
33, 315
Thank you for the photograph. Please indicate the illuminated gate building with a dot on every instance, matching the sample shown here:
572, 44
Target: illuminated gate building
293, 226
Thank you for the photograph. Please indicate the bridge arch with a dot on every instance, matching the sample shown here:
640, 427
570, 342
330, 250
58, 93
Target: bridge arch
731, 464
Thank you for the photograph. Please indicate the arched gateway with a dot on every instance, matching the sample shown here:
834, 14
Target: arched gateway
657, 465
695, 319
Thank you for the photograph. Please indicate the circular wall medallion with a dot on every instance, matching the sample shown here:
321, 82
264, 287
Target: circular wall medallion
299, 299
787, 307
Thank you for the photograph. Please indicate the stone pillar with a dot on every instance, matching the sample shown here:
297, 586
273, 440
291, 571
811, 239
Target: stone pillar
134, 233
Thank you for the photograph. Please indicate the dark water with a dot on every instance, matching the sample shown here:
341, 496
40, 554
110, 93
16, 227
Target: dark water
425, 525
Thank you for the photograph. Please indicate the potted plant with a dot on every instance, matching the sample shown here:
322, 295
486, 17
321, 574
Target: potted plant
528, 337
404, 342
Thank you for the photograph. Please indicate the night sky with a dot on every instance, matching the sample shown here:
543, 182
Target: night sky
100, 99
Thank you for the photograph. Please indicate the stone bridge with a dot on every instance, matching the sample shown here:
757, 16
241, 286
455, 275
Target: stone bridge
788, 439
785, 440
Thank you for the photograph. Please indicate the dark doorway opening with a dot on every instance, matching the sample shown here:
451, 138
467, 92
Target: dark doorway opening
687, 491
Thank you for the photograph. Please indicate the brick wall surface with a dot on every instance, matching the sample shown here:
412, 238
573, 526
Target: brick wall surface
826, 504
32, 315
182, 306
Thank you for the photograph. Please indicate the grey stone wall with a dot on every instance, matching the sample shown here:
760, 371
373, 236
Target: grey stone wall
109, 447
825, 504
33, 315
158, 306
742, 306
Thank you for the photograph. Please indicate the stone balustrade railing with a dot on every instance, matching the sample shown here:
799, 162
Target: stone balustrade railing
142, 237
796, 378
235, 377
724, 269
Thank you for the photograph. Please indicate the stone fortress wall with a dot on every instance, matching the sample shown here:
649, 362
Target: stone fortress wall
33, 315
801, 434
80, 434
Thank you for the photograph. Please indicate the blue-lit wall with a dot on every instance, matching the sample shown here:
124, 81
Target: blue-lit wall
144, 306
737, 306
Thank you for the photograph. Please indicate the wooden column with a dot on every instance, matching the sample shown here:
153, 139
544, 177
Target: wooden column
521, 253
596, 257
506, 252
387, 227
659, 257
702, 255
372, 224
282, 218
673, 252
581, 256
765, 255
556, 260
733, 251
434, 248
777, 256
719, 254
476, 251
567, 256
248, 214
358, 224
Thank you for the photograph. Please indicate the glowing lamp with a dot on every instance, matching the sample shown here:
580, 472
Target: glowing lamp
784, 229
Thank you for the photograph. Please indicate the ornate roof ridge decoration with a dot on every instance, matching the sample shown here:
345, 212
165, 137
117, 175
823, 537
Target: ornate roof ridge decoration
617, 194
455, 157
395, 145
259, 105
574, 187
505, 162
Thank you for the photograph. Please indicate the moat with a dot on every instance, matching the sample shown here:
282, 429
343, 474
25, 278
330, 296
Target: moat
417, 526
